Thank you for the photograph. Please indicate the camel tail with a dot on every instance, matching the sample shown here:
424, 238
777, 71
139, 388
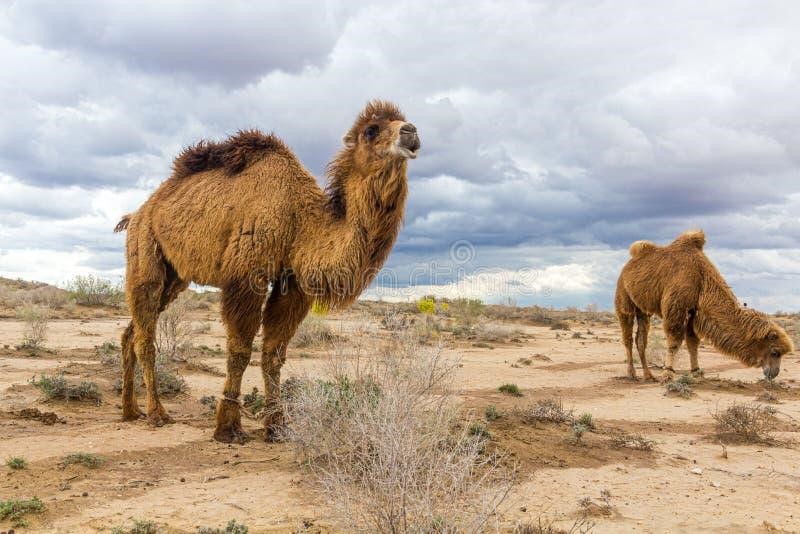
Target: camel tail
640, 247
695, 238
123, 223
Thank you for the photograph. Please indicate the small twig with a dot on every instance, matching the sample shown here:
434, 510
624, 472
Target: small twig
237, 462
65, 485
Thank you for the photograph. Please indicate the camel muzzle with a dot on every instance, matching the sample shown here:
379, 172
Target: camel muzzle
409, 138
770, 372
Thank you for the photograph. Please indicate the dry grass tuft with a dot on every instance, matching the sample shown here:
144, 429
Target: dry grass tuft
681, 386
581, 525
36, 318
634, 441
547, 411
383, 439
314, 331
751, 423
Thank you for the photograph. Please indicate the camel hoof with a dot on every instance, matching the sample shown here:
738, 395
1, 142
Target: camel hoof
133, 415
231, 435
159, 419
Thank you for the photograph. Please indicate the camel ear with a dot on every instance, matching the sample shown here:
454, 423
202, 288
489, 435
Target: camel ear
349, 140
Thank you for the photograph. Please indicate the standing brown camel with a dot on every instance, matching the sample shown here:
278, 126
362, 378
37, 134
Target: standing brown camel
680, 284
244, 215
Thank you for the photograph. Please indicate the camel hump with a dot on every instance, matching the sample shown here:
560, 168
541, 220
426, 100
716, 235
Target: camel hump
640, 247
123, 223
232, 155
695, 238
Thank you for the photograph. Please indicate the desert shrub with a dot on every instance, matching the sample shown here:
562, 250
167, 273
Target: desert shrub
547, 411
510, 389
86, 459
174, 330
636, 441
140, 526
231, 528
16, 462
746, 422
587, 420
56, 387
581, 525
491, 413
493, 332
93, 290
578, 429
36, 319
109, 353
254, 401
479, 430
383, 443
681, 386
426, 305
314, 331
599, 507
559, 325
15, 510
209, 401
525, 361
169, 380
466, 311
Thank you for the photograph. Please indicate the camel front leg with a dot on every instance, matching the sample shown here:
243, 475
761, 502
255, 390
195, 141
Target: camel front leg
286, 308
240, 312
626, 324
692, 344
130, 408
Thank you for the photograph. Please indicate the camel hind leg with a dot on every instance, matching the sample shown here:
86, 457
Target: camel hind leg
626, 313
692, 344
642, 331
130, 408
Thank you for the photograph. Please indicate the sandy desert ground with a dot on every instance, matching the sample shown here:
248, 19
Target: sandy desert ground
179, 478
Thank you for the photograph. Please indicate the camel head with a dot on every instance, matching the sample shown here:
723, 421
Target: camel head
373, 159
768, 347
381, 133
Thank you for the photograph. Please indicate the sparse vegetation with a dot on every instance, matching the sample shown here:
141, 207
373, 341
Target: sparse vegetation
547, 411
86, 459
170, 382
16, 462
681, 386
109, 353
413, 469
91, 290
56, 387
15, 510
510, 389
745, 422
139, 526
636, 442
578, 429
231, 528
491, 413
313, 332
582, 525
210, 401
600, 507
36, 318
587, 420
479, 430
426, 305
174, 330
254, 401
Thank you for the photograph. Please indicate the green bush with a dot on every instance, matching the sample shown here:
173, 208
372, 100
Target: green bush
15, 510
91, 290
57, 388
510, 389
16, 462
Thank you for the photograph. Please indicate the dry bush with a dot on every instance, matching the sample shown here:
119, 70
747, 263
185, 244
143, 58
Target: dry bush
170, 381
93, 290
547, 411
174, 331
581, 525
493, 332
681, 386
314, 331
636, 441
56, 387
36, 319
748, 422
383, 439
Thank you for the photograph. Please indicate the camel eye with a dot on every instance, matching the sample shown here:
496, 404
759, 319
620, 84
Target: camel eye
371, 132
774, 353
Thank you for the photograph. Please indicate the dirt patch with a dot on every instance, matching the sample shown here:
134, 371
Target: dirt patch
48, 418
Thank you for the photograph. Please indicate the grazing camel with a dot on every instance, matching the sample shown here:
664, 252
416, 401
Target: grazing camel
245, 216
679, 283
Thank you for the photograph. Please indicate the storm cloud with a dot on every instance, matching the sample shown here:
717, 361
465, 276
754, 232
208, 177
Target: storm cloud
554, 133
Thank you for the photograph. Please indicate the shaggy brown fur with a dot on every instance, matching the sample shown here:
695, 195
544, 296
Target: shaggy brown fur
681, 285
245, 216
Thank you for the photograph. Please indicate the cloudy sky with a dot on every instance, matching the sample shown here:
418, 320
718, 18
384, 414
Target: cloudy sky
554, 133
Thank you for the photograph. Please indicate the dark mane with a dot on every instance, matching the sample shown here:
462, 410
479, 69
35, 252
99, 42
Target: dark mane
232, 155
